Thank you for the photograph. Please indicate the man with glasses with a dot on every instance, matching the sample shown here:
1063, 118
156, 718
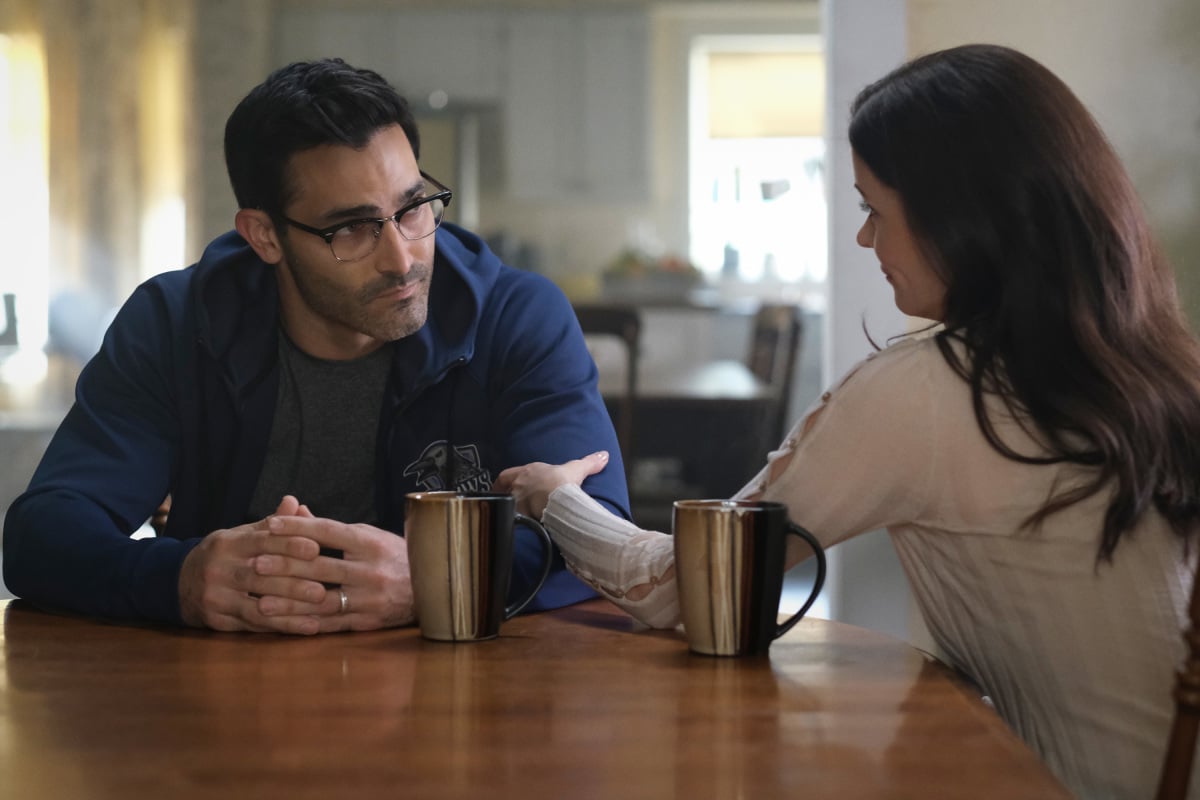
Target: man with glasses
341, 348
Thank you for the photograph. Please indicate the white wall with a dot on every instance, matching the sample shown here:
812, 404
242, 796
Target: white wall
864, 40
1136, 65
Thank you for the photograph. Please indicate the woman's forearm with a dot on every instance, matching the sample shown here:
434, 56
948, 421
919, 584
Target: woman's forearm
633, 568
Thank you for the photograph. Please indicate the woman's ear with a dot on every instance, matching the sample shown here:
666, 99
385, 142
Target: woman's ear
258, 230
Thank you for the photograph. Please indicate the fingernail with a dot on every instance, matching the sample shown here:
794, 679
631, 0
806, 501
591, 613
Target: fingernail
602, 455
274, 524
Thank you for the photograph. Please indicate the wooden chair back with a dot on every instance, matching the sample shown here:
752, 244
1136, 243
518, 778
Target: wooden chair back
624, 323
774, 347
1181, 747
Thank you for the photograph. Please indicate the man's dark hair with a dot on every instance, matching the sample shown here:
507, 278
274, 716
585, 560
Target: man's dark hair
298, 107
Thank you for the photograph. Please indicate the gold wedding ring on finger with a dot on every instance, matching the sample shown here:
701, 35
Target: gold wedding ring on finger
344, 602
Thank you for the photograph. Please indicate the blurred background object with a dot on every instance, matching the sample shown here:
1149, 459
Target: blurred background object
8, 330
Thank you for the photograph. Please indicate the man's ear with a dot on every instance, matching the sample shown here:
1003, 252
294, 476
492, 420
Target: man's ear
258, 230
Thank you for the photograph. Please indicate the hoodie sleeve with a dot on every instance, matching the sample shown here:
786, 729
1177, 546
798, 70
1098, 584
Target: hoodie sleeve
549, 409
67, 539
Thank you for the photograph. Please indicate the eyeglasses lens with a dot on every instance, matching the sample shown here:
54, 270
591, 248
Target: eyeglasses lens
359, 240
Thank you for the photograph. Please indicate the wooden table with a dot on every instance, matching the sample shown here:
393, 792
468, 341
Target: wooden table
710, 380
580, 703
712, 424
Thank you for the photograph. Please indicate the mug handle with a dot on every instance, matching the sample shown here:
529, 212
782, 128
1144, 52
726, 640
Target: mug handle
819, 552
516, 607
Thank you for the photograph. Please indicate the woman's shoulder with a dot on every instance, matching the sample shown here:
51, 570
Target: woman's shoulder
913, 359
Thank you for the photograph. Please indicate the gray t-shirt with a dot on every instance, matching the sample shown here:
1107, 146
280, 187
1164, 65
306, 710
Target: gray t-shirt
322, 447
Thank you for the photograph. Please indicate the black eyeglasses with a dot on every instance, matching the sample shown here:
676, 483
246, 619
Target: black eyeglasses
358, 238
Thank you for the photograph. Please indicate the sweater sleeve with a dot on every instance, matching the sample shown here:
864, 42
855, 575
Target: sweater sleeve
67, 538
633, 568
549, 408
860, 459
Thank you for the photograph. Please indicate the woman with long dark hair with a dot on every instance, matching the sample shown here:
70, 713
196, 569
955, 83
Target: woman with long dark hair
1035, 457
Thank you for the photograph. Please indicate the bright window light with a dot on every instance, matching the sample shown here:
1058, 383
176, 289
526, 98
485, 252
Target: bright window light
161, 113
24, 204
757, 209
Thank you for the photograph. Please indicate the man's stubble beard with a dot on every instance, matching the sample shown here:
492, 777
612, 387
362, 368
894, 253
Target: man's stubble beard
358, 309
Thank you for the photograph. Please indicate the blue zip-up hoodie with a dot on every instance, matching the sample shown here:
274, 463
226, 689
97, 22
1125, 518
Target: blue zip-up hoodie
181, 396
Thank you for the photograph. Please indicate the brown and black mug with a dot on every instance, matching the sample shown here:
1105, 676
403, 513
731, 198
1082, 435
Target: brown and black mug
460, 554
729, 565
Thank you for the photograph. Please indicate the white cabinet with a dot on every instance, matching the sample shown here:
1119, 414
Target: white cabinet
418, 51
575, 104
571, 85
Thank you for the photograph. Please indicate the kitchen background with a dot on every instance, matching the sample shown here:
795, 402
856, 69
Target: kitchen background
698, 145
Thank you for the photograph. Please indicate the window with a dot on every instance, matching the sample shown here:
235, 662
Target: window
24, 204
112, 211
163, 97
757, 197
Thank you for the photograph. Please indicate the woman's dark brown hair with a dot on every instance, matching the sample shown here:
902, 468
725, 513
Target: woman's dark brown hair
1055, 286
